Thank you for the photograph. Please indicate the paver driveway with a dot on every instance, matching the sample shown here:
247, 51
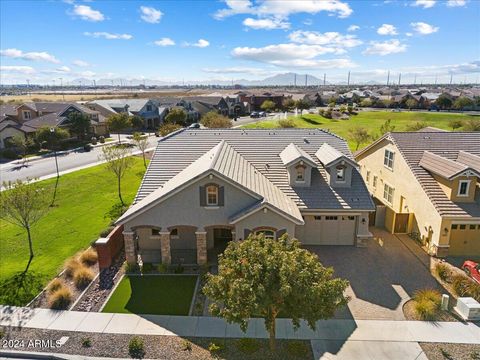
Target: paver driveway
383, 276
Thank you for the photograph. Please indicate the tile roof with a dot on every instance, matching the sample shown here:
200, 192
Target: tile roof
261, 149
224, 161
439, 165
472, 160
51, 119
134, 105
412, 145
293, 153
328, 155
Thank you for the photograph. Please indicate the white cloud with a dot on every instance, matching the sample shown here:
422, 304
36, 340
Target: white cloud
385, 48
284, 8
237, 70
150, 14
352, 28
456, 3
201, 43
80, 63
266, 24
64, 69
292, 55
87, 74
164, 42
59, 70
108, 36
387, 29
424, 28
18, 69
425, 3
34, 56
329, 38
87, 13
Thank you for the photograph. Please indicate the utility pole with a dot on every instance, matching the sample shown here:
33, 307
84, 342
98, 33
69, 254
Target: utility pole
435, 79
388, 78
324, 79
399, 78
306, 80
451, 79
28, 87
61, 88
295, 80
415, 80
348, 80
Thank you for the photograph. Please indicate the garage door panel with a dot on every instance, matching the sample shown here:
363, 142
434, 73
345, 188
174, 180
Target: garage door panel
331, 230
464, 242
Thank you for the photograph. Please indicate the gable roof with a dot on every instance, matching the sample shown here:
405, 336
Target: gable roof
444, 167
328, 155
292, 153
225, 162
472, 160
134, 105
412, 146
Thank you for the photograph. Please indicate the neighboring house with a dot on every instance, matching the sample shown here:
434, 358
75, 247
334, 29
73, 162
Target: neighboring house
147, 109
26, 118
254, 101
427, 182
204, 188
204, 104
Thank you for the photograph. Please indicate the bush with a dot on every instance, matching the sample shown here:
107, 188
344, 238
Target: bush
55, 284
89, 257
166, 129
60, 299
179, 269
286, 123
473, 289
248, 346
427, 303
442, 271
9, 154
428, 295
106, 231
147, 268
162, 268
82, 277
460, 284
71, 266
214, 349
86, 342
186, 345
214, 120
101, 139
136, 347
297, 349
131, 268
94, 140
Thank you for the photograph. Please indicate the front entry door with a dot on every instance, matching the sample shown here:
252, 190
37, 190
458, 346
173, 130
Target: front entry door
401, 223
221, 237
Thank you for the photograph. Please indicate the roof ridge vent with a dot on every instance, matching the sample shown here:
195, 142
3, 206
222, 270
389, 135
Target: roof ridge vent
305, 140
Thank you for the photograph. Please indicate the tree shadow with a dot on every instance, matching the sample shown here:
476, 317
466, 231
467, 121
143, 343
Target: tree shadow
20, 288
311, 121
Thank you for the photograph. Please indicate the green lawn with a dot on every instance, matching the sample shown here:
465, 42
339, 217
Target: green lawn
83, 199
372, 120
151, 294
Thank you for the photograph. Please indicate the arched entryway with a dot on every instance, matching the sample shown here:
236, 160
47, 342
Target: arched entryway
183, 244
218, 237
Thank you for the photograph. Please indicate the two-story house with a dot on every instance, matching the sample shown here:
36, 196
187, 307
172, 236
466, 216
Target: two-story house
426, 183
205, 187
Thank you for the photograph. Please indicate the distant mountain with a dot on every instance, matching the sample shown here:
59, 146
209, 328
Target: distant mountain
288, 79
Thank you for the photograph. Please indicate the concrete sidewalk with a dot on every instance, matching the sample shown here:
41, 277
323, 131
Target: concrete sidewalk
193, 326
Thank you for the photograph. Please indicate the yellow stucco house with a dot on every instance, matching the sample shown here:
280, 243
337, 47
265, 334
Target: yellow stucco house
426, 183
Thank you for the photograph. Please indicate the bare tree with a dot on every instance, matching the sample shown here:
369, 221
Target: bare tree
359, 135
23, 204
141, 142
118, 161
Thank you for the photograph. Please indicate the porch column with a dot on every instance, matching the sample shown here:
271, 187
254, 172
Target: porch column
165, 247
201, 247
130, 252
234, 237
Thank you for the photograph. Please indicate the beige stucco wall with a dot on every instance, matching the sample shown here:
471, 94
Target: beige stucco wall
9, 132
405, 185
450, 187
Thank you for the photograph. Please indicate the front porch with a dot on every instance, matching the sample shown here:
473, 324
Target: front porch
179, 244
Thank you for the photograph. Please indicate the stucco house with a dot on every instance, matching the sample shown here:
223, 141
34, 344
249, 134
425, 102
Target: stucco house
204, 188
427, 183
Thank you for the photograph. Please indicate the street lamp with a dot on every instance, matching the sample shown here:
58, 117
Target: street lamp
52, 131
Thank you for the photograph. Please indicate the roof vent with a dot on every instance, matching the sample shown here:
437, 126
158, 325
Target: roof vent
426, 137
267, 166
305, 140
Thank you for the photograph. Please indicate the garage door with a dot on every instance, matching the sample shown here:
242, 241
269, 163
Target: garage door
464, 240
329, 230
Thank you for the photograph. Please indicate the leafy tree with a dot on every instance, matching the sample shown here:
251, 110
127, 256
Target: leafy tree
302, 104
444, 102
455, 124
51, 139
411, 103
268, 105
22, 144
462, 102
23, 204
266, 277
118, 161
141, 142
176, 116
419, 125
136, 122
359, 135
289, 104
166, 129
79, 124
212, 119
118, 122
366, 103
387, 127
472, 125
386, 102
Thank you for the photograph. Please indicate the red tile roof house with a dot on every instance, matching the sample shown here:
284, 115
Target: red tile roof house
204, 188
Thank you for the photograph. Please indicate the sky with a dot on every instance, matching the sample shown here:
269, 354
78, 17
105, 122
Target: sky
63, 41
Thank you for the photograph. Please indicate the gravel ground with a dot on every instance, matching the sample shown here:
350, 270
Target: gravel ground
435, 351
411, 314
156, 347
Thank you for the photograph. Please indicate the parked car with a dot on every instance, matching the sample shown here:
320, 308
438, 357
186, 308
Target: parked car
262, 114
472, 269
87, 147
254, 114
194, 126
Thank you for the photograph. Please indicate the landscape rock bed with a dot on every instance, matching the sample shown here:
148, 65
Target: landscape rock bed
436, 351
155, 347
100, 289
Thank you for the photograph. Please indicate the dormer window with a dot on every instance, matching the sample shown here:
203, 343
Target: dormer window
300, 173
212, 195
463, 187
340, 173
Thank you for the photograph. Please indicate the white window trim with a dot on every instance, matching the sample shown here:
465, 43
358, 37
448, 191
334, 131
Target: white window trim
393, 193
393, 159
344, 177
460, 182
27, 117
303, 173
213, 204
259, 231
